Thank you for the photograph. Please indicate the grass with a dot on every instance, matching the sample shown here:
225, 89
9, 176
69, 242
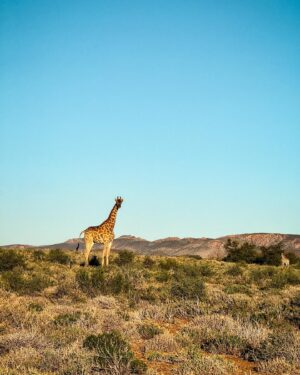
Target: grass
146, 315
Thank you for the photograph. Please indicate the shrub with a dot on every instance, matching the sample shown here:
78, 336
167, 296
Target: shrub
276, 366
188, 287
163, 276
125, 257
137, 366
58, 256
196, 269
271, 255
237, 288
148, 262
67, 319
282, 343
99, 281
197, 364
113, 353
24, 284
91, 282
237, 252
35, 307
39, 255
235, 270
148, 331
169, 264
10, 259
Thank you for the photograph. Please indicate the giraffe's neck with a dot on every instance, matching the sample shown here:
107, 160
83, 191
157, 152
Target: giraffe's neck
111, 220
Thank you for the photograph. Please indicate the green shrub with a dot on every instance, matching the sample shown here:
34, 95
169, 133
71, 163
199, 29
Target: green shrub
35, 307
237, 288
112, 351
235, 270
67, 319
91, 282
24, 283
285, 277
271, 255
137, 366
148, 262
99, 281
237, 252
163, 276
10, 259
39, 255
58, 256
169, 264
188, 287
125, 257
148, 331
118, 283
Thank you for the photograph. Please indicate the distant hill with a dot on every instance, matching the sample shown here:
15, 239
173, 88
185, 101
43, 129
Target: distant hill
174, 246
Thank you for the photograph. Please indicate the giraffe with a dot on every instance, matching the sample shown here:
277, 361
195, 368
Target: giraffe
285, 262
103, 233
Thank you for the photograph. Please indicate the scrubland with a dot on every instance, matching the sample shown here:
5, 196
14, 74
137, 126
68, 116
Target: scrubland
146, 315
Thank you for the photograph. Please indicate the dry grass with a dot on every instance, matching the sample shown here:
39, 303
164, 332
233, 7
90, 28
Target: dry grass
226, 309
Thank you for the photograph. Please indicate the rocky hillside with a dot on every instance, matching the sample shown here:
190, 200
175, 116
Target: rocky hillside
172, 246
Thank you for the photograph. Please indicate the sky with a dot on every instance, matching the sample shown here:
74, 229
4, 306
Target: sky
190, 110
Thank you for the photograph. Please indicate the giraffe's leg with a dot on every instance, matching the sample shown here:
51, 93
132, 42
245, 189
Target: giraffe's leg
88, 246
103, 254
107, 253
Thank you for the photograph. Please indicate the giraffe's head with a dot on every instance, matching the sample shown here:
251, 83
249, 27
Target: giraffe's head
119, 201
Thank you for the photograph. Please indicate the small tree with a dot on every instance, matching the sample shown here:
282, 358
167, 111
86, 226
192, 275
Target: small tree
237, 252
125, 257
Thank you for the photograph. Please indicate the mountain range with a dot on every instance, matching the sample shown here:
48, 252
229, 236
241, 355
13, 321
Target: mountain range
174, 246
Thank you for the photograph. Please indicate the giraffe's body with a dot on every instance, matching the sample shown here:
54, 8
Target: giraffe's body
102, 234
285, 262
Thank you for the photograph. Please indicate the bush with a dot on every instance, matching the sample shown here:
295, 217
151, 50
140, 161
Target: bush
237, 288
99, 281
235, 270
24, 284
148, 262
137, 366
125, 257
35, 307
58, 256
91, 282
67, 319
237, 252
197, 363
39, 255
188, 287
282, 343
148, 331
113, 353
169, 264
10, 259
271, 255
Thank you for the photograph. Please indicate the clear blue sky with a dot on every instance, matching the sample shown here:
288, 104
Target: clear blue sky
188, 109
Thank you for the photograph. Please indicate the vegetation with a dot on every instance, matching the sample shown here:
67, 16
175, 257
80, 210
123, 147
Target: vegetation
147, 315
249, 253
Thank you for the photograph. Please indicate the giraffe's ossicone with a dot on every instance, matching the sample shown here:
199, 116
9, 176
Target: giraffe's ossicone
102, 234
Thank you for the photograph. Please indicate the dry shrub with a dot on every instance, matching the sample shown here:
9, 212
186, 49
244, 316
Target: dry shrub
162, 343
223, 334
277, 366
197, 364
21, 339
281, 343
23, 359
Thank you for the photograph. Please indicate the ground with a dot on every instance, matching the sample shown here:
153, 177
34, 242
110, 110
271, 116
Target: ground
146, 315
